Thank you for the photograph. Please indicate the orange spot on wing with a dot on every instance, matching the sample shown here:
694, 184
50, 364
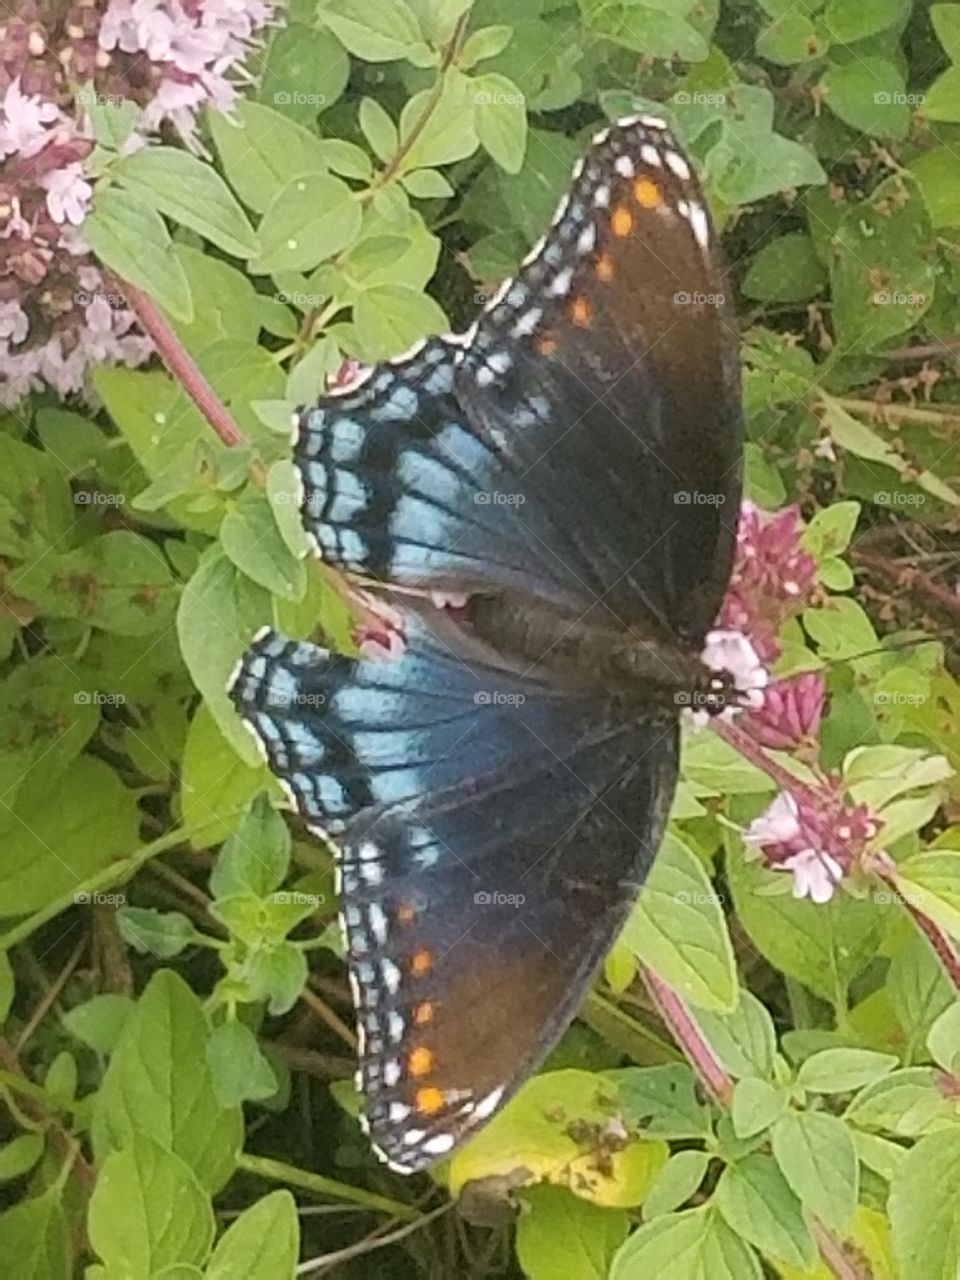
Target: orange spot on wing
605, 268
546, 346
423, 1013
647, 193
405, 912
622, 221
422, 962
581, 311
420, 1061
429, 1099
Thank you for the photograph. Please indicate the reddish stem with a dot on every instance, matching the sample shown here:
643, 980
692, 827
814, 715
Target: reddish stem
683, 1027
751, 750
182, 366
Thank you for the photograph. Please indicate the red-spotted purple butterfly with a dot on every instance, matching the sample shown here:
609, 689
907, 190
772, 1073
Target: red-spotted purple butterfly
568, 471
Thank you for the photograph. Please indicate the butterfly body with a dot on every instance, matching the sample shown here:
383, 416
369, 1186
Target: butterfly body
570, 467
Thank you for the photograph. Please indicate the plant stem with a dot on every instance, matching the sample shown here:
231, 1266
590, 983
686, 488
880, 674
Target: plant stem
280, 1171
690, 1038
898, 412
182, 365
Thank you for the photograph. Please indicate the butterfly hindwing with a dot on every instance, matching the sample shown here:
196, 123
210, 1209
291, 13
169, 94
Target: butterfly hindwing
496, 833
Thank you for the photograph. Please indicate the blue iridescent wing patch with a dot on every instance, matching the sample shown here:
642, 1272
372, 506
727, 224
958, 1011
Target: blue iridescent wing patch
493, 832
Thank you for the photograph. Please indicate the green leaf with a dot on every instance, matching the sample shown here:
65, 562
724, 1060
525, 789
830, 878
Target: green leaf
163, 934
442, 130
930, 882
757, 1203
924, 1195
113, 122
662, 1101
378, 129
537, 1133
99, 1020
192, 193
843, 1070
906, 1102
793, 37
390, 318
51, 850
944, 1039
250, 537
660, 30
816, 1154
850, 20
830, 531
427, 184
219, 611
278, 974
869, 95
882, 274
678, 929
305, 72
786, 270
501, 120
312, 218
158, 1085
238, 1068
148, 1211
485, 43
675, 1183
262, 152
938, 175
19, 1155
7, 986
756, 1106
694, 1245
130, 238
33, 1238
262, 1244
376, 33
745, 1040
217, 785
560, 1234
257, 857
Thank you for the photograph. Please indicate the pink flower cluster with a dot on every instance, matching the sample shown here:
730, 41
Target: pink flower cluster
191, 48
58, 316
818, 843
772, 577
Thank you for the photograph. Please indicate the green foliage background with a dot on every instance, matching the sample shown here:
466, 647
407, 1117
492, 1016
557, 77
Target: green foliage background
166, 1064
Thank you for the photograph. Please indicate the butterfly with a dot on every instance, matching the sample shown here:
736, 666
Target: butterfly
549, 503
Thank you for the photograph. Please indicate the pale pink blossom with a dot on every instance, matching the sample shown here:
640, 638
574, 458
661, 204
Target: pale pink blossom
778, 824
25, 122
68, 194
815, 875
